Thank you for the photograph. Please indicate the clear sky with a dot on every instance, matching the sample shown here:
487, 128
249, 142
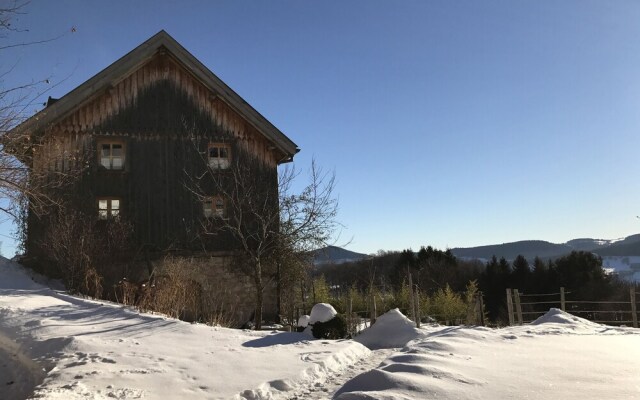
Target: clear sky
448, 123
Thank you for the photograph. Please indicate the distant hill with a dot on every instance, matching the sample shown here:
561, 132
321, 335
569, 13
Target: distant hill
629, 246
527, 248
588, 244
335, 255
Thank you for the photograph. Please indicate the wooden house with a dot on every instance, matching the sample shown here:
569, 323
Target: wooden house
142, 126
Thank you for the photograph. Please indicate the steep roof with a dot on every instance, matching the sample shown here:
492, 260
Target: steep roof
136, 58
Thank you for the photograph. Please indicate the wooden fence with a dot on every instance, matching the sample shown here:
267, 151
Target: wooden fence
359, 319
524, 308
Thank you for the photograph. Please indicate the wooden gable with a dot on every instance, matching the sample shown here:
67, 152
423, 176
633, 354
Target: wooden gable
159, 86
162, 98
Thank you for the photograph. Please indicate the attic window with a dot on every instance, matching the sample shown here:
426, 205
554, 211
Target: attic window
214, 207
108, 208
111, 155
219, 155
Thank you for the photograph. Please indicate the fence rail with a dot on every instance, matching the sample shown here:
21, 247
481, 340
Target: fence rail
515, 305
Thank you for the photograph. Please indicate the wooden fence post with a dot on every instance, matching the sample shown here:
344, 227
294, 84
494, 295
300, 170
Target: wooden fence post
350, 324
634, 311
374, 310
481, 301
510, 307
562, 300
416, 301
412, 301
518, 306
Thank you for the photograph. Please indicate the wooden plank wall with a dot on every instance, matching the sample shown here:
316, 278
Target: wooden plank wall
142, 109
124, 93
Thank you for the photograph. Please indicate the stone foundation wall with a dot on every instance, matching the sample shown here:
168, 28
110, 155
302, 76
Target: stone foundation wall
226, 296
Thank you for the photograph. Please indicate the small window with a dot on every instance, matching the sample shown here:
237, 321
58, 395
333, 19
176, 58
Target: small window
59, 157
214, 207
108, 208
112, 155
219, 155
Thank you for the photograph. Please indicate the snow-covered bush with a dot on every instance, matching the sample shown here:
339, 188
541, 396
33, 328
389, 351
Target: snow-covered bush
325, 323
303, 321
335, 328
322, 312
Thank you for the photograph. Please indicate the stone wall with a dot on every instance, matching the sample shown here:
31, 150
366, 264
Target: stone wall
226, 296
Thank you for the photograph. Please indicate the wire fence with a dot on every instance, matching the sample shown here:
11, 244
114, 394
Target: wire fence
524, 308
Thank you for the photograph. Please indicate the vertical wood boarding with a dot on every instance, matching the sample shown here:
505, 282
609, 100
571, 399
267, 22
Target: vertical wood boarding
510, 307
150, 185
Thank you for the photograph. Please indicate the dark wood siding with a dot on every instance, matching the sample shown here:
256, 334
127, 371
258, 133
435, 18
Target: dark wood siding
165, 118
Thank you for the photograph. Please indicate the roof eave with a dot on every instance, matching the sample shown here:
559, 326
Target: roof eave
132, 60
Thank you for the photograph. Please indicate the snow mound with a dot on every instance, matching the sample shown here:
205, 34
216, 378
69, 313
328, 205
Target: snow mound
15, 276
322, 312
557, 316
303, 321
390, 330
556, 322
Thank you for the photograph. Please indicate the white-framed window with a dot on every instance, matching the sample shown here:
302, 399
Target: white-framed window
108, 208
219, 155
214, 207
111, 155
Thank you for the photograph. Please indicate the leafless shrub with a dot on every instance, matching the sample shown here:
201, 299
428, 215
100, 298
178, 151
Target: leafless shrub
126, 292
218, 308
81, 247
174, 292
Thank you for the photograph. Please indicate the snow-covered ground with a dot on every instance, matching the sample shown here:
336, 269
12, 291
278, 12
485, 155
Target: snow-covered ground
69, 348
559, 356
97, 350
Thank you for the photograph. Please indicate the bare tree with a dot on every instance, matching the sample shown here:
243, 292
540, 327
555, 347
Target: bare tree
19, 187
308, 218
273, 225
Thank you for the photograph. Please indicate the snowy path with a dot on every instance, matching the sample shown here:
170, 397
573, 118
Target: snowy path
334, 382
20, 374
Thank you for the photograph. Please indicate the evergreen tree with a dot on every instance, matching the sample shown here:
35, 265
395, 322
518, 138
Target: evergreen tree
320, 290
494, 283
521, 274
448, 306
581, 272
539, 275
406, 260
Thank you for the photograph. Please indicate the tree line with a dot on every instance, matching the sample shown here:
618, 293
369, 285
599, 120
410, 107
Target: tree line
436, 271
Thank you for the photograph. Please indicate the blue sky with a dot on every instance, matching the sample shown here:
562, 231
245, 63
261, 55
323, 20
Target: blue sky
448, 123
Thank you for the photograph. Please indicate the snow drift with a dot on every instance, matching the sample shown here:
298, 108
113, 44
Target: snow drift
390, 330
559, 356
